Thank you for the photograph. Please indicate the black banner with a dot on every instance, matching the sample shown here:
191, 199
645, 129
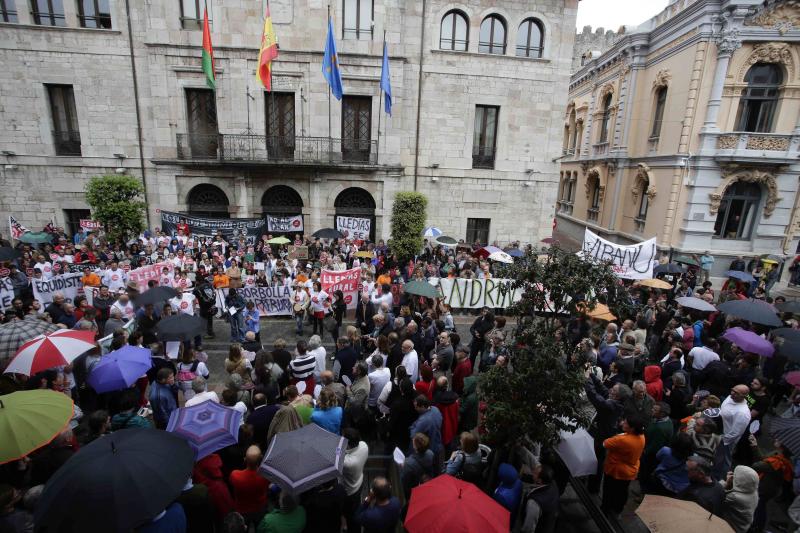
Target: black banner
231, 228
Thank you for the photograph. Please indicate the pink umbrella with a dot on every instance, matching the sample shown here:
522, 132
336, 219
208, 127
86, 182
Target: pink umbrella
47, 351
793, 378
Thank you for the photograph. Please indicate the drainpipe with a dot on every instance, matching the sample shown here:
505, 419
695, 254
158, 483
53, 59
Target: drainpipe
419, 91
138, 111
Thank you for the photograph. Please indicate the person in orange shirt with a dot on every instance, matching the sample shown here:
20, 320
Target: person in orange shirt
384, 279
221, 280
622, 463
90, 279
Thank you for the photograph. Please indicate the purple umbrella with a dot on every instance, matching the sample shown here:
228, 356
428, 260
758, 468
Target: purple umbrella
207, 426
120, 369
749, 341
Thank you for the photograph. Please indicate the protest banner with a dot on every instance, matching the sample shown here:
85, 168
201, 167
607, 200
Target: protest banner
274, 300
347, 281
90, 225
354, 228
629, 262
285, 224
298, 252
67, 284
231, 228
476, 293
142, 275
6, 293
105, 342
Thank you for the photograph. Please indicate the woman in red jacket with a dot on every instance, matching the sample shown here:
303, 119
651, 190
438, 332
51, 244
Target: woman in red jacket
622, 463
652, 379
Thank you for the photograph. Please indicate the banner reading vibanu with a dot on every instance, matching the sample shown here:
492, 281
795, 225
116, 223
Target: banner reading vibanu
346, 281
232, 228
271, 301
285, 224
354, 228
630, 262
67, 284
476, 293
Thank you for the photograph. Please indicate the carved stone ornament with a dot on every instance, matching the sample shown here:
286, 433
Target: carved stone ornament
733, 174
595, 174
663, 78
643, 176
608, 88
728, 42
781, 15
778, 53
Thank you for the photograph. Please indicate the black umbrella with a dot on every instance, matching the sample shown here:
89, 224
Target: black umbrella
328, 233
789, 345
786, 430
752, 310
156, 295
669, 268
8, 254
180, 328
116, 483
789, 307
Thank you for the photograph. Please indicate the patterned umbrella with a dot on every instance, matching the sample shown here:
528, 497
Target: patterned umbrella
486, 251
120, 369
16, 333
30, 419
431, 232
304, 458
207, 426
786, 430
47, 351
749, 341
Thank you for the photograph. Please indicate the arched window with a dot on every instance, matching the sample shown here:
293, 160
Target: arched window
644, 200
493, 36
530, 38
355, 213
593, 213
281, 199
207, 201
737, 211
606, 118
760, 99
658, 115
454, 32
573, 129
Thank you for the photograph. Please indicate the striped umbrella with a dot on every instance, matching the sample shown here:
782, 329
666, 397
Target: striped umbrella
17, 332
47, 351
431, 232
786, 430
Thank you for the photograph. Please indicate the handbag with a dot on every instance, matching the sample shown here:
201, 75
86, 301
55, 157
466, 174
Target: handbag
330, 323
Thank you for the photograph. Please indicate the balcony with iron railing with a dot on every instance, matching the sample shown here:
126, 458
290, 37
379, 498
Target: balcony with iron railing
257, 149
593, 214
483, 157
67, 142
600, 148
568, 152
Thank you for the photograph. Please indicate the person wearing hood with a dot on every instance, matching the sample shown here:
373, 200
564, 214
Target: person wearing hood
741, 498
653, 383
468, 408
208, 471
446, 401
509, 492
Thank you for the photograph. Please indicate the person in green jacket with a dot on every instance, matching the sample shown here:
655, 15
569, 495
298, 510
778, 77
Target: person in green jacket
657, 435
468, 411
289, 518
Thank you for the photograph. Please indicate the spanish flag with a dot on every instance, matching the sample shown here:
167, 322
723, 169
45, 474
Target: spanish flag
208, 53
268, 52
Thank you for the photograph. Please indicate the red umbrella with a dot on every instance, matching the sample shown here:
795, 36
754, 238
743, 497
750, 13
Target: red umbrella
447, 504
486, 251
793, 378
549, 240
46, 351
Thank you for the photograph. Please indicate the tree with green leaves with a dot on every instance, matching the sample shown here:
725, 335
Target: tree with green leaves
408, 222
116, 201
538, 397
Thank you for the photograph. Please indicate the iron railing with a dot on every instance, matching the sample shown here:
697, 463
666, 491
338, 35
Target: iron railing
483, 157
289, 149
67, 142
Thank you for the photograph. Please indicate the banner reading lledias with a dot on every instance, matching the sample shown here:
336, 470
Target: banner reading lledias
231, 228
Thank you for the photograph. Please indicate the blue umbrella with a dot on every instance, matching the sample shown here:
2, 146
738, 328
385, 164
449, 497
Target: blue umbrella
120, 369
431, 232
207, 426
514, 252
741, 276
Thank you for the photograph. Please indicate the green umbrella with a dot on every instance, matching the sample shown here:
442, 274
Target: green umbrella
36, 237
31, 419
420, 288
686, 261
444, 240
279, 240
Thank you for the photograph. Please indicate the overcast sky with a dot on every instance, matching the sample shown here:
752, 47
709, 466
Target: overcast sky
611, 14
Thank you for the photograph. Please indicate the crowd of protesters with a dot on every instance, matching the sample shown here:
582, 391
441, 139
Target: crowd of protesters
674, 401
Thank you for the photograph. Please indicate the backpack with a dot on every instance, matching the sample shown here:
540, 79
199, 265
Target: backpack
471, 472
188, 375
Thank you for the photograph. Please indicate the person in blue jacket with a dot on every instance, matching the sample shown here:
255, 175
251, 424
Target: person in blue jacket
509, 492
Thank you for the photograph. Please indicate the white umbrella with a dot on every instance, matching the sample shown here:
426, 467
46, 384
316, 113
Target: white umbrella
577, 451
431, 232
501, 257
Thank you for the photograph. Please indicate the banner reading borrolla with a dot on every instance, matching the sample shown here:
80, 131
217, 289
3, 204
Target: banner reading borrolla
476, 293
634, 261
285, 224
231, 228
354, 228
274, 300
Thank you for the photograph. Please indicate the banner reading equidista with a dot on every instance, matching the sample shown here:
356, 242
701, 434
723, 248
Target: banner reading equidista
67, 284
232, 228
346, 281
630, 262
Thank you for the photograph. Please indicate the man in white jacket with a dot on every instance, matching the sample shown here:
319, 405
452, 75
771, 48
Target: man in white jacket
735, 416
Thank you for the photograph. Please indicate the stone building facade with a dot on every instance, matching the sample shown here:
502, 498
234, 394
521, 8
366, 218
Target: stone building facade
591, 44
688, 130
121, 90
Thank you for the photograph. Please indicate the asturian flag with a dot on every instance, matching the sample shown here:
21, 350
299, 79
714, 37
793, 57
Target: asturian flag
17, 229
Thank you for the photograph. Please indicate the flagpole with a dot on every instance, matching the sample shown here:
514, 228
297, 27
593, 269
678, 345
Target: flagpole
330, 137
380, 105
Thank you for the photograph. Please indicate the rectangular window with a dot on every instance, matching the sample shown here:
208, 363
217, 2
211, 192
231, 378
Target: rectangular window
94, 14
73, 219
658, 116
356, 128
484, 139
201, 117
280, 125
8, 12
478, 230
66, 135
357, 16
192, 14
48, 12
